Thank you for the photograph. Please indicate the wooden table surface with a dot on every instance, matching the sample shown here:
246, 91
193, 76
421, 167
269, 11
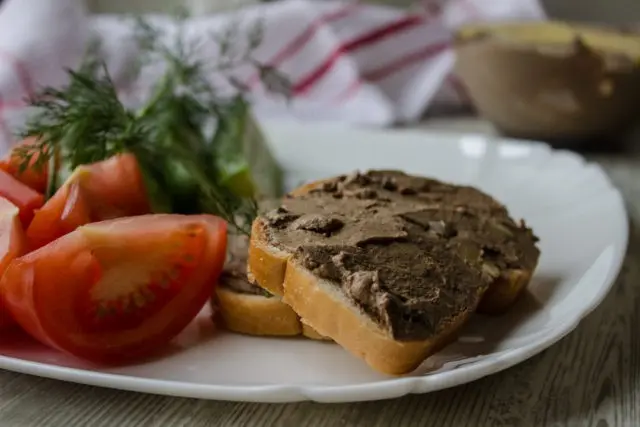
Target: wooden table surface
590, 378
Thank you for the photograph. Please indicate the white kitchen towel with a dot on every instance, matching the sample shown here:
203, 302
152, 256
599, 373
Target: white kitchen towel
347, 61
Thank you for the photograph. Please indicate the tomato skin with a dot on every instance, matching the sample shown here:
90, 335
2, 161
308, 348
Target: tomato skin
104, 190
67, 210
44, 301
31, 177
12, 245
116, 188
24, 198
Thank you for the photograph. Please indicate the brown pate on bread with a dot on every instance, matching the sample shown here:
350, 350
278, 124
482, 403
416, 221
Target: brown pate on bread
390, 265
245, 308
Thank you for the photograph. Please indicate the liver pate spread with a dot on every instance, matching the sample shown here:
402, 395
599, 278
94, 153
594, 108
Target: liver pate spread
411, 252
234, 274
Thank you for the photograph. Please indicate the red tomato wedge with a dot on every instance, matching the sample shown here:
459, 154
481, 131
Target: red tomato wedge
115, 188
105, 190
117, 290
31, 177
24, 198
12, 245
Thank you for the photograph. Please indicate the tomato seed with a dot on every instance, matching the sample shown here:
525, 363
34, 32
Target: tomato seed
139, 300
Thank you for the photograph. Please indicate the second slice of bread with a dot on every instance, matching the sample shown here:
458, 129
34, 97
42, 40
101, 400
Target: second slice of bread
259, 315
243, 307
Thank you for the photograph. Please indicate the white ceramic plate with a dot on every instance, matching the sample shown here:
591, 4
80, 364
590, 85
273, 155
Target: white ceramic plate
571, 205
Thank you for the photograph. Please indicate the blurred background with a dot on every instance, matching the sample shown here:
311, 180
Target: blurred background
563, 71
607, 11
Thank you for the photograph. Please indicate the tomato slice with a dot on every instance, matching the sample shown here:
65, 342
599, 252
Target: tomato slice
117, 290
12, 245
25, 198
67, 210
115, 188
31, 177
104, 190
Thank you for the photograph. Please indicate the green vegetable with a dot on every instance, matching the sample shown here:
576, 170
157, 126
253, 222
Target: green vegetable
184, 170
241, 156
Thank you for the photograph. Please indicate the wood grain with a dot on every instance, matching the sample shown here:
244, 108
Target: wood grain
590, 378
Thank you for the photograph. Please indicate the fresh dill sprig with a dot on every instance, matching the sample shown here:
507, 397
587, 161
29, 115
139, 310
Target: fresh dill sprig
82, 123
186, 96
85, 122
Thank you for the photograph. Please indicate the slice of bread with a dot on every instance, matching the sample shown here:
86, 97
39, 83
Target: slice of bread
326, 310
242, 307
366, 260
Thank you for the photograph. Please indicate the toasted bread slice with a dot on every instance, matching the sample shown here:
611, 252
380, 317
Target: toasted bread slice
295, 252
335, 316
259, 315
503, 291
245, 308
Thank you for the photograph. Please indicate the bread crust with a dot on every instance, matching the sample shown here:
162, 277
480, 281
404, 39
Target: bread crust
502, 294
311, 333
331, 315
256, 314
259, 315
266, 266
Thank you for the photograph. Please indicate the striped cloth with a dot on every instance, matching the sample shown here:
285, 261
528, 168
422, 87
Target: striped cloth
350, 62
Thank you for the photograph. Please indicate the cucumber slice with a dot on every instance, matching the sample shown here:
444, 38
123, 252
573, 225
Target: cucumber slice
243, 160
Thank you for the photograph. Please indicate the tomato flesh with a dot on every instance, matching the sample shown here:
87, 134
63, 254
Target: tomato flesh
151, 281
67, 210
35, 178
104, 190
115, 188
12, 245
23, 197
120, 289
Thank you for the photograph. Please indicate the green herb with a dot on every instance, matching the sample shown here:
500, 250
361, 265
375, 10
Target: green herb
184, 171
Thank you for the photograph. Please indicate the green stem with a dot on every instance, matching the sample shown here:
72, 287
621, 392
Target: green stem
161, 91
215, 196
52, 175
